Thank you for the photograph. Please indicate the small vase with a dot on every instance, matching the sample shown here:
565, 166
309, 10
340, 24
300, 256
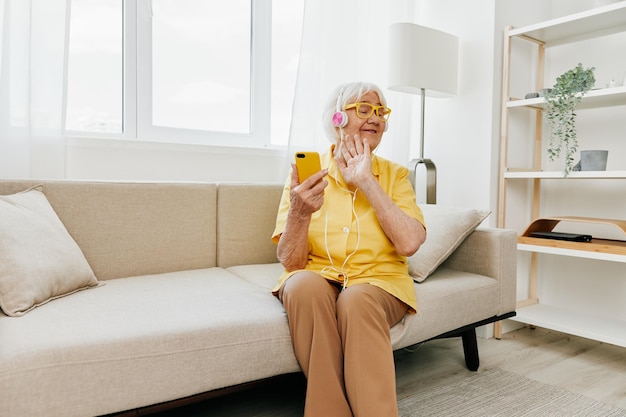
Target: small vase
592, 161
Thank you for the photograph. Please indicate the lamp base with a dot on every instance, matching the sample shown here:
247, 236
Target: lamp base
431, 178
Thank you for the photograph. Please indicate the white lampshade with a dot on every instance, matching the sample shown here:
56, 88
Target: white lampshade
422, 58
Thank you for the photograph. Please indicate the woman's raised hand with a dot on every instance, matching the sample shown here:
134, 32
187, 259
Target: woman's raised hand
354, 159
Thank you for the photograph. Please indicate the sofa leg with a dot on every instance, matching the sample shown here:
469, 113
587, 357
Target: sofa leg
470, 349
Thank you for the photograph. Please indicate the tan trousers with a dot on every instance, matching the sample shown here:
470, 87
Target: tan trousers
342, 343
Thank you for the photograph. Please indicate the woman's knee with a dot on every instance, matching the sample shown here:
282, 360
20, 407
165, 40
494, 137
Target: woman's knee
368, 302
306, 285
358, 300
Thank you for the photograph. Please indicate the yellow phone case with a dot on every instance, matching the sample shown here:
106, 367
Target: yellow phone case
307, 164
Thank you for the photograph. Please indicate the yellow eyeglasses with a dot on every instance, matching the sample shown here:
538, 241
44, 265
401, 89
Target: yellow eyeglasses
365, 111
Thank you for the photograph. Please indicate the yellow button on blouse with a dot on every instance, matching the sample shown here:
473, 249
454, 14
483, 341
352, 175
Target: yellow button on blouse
346, 242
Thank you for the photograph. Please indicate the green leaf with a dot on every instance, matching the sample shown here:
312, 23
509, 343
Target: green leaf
566, 94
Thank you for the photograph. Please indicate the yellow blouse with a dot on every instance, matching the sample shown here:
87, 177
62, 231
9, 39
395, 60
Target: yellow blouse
360, 252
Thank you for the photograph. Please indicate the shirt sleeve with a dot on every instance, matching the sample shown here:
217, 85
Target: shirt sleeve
403, 195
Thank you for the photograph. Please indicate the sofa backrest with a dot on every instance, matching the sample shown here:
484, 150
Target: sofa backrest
128, 229
247, 216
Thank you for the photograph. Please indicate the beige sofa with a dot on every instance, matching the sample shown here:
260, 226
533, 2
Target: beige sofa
185, 307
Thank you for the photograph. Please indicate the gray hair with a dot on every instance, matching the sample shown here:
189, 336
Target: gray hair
339, 99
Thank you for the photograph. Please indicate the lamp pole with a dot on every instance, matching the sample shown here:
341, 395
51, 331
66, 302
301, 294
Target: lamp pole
431, 169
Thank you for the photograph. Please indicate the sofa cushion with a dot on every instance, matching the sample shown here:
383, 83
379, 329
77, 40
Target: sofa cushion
449, 299
447, 228
246, 210
135, 228
264, 275
40, 260
140, 341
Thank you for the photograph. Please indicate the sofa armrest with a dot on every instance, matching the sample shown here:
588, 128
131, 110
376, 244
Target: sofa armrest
491, 252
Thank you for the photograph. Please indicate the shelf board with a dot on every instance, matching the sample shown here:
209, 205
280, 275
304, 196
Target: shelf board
608, 330
604, 20
604, 249
559, 174
601, 249
601, 97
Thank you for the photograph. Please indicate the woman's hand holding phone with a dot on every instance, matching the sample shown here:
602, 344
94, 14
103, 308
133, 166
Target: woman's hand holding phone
307, 183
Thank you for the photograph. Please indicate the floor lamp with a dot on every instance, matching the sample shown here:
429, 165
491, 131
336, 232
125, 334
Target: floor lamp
423, 61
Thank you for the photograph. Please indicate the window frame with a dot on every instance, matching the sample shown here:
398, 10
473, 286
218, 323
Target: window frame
137, 90
260, 84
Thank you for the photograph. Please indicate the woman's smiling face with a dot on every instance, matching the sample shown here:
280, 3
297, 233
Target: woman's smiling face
371, 128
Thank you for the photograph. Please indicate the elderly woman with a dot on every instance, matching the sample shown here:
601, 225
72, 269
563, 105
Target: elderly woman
343, 236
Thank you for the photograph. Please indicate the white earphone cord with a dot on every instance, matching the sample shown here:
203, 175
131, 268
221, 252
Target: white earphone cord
341, 271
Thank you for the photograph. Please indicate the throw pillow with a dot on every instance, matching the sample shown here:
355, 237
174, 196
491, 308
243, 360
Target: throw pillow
447, 228
39, 259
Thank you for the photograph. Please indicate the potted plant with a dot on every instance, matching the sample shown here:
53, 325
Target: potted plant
560, 114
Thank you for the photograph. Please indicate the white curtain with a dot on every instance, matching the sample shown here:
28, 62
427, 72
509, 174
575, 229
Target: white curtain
33, 71
345, 41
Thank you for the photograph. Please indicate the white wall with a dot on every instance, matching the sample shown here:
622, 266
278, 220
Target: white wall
459, 130
104, 159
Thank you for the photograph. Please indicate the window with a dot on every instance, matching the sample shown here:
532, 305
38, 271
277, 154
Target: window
197, 92
286, 33
94, 79
189, 71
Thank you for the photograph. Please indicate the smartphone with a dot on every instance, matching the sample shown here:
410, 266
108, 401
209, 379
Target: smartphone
307, 164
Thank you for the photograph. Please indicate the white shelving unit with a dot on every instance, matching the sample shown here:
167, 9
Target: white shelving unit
573, 322
559, 174
602, 97
595, 23
557, 250
592, 23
